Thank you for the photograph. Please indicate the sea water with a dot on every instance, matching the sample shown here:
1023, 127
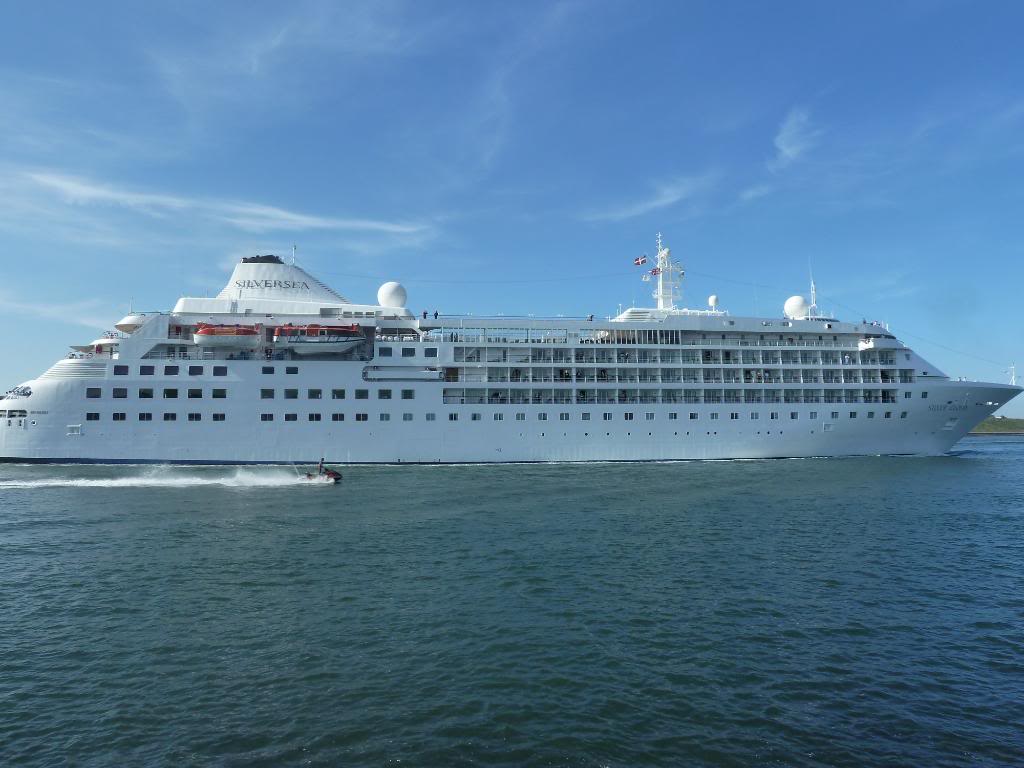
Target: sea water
836, 612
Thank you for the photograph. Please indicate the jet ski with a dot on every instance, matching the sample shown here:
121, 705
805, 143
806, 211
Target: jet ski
323, 475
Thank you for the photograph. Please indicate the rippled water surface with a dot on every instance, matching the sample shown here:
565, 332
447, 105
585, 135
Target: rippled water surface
854, 612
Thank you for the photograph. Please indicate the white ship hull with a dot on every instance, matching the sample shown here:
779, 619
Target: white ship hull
55, 430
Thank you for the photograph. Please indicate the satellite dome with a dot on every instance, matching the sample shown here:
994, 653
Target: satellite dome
713, 301
796, 307
391, 294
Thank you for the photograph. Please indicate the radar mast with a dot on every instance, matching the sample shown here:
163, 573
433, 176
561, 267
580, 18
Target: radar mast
669, 276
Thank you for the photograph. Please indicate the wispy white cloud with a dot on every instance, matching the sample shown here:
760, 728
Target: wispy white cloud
795, 137
665, 195
83, 313
247, 216
754, 192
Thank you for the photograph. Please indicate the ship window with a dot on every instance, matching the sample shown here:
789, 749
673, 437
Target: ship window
145, 417
314, 417
563, 417
475, 417
888, 414
835, 414
120, 393
266, 417
714, 416
649, 416
170, 394
520, 417
195, 370
170, 417
774, 415
120, 370
673, 416
291, 369
195, 394
903, 414
453, 417
146, 370
754, 416
291, 417
906, 395
585, 417
497, 416
119, 417
794, 415
606, 416
430, 352
408, 352
693, 416
92, 417
542, 417
218, 417
219, 394
268, 369
871, 414
266, 394
385, 417
813, 415
361, 417
384, 352
408, 394
220, 370
337, 394
734, 416
362, 394
195, 417
383, 394
627, 416
853, 414
431, 417
291, 394
314, 394
92, 392
170, 370
337, 417
924, 395
146, 394
408, 416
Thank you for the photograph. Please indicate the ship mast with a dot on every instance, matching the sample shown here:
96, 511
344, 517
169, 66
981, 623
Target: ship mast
669, 278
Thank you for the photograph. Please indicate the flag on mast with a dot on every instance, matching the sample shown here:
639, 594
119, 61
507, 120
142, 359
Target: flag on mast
640, 260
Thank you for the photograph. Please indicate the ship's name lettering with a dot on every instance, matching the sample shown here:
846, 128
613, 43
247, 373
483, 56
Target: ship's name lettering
947, 407
298, 285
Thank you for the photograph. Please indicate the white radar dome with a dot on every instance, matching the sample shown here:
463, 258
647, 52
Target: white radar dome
391, 294
713, 301
796, 307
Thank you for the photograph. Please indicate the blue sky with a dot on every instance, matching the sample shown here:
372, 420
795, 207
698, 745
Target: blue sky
514, 158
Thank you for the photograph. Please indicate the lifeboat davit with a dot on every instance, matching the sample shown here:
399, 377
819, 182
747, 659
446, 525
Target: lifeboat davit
318, 339
245, 336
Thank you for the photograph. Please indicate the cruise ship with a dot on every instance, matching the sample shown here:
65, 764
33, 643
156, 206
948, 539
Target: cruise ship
280, 368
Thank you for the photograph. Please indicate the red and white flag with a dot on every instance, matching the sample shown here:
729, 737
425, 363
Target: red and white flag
656, 271
640, 260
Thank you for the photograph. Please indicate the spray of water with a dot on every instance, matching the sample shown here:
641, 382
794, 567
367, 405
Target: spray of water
171, 477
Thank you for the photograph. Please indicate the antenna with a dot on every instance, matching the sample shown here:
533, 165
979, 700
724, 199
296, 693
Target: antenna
293, 254
813, 309
1013, 375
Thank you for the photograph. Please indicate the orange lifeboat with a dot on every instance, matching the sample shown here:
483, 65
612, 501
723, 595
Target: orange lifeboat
209, 335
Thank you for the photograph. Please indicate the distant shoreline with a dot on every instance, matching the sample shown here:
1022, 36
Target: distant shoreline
995, 434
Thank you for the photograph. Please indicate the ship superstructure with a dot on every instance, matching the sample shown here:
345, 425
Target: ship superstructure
280, 368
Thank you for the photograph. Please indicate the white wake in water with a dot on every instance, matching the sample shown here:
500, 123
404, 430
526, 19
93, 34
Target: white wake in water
172, 478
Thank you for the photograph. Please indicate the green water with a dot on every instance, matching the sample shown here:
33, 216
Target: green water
854, 612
